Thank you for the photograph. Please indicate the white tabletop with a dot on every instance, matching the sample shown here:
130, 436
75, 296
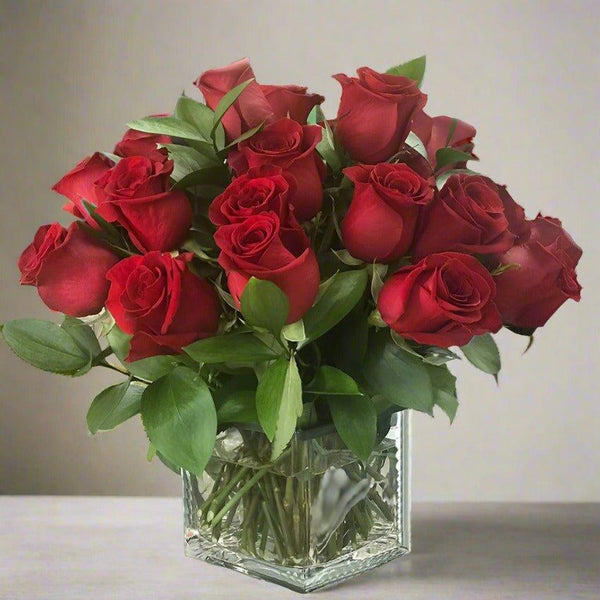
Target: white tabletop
83, 548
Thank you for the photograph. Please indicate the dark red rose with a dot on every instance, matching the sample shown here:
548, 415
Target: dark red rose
291, 147
375, 113
158, 300
136, 194
257, 103
468, 215
251, 108
261, 189
138, 143
291, 101
79, 184
69, 268
260, 247
380, 223
530, 294
444, 300
441, 132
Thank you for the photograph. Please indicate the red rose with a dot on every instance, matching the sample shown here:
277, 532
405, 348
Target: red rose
138, 143
158, 300
79, 184
530, 294
291, 146
467, 215
375, 113
444, 300
260, 247
257, 103
136, 194
261, 189
291, 100
69, 268
380, 223
251, 108
435, 132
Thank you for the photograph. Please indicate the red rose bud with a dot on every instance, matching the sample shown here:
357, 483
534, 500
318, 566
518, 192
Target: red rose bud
261, 189
291, 101
69, 268
260, 247
442, 132
158, 300
380, 223
444, 300
545, 278
136, 194
79, 184
138, 143
292, 147
468, 215
375, 113
249, 110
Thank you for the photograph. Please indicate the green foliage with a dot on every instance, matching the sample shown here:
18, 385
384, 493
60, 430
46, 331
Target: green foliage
83, 335
355, 419
238, 407
339, 297
279, 402
148, 369
47, 346
187, 160
482, 352
400, 377
168, 126
264, 305
180, 419
329, 149
226, 102
444, 389
240, 348
196, 114
332, 381
450, 156
114, 405
413, 69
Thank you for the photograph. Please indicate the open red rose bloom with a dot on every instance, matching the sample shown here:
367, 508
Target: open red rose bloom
253, 221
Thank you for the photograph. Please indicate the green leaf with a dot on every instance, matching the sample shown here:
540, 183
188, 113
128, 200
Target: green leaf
46, 346
264, 305
316, 115
482, 352
355, 419
226, 102
83, 335
450, 156
339, 298
109, 229
168, 126
441, 180
398, 376
414, 141
332, 381
294, 332
444, 389
245, 136
239, 407
413, 69
347, 258
215, 177
187, 160
114, 406
148, 369
196, 114
180, 419
242, 348
279, 402
328, 150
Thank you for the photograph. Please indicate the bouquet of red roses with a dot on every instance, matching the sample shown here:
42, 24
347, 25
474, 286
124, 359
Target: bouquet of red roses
248, 261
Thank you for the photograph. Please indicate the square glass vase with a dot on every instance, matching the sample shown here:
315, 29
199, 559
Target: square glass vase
313, 517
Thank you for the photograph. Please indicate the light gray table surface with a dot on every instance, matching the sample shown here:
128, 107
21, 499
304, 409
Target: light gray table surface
83, 548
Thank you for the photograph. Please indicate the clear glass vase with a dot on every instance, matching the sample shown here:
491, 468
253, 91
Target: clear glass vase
314, 517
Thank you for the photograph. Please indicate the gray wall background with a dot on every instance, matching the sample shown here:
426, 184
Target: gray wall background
524, 73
